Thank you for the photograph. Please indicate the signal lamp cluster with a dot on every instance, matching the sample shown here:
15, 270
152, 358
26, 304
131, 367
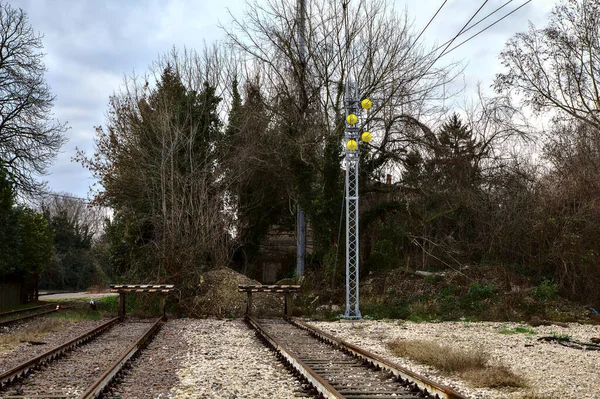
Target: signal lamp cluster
352, 119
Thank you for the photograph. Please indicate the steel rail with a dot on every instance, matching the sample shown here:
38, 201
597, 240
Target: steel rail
27, 317
12, 312
24, 368
56, 308
96, 388
322, 386
425, 384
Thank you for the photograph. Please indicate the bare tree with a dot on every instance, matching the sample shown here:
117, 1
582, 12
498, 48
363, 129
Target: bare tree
557, 68
86, 219
29, 137
384, 59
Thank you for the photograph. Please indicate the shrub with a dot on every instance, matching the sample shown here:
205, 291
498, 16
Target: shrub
545, 291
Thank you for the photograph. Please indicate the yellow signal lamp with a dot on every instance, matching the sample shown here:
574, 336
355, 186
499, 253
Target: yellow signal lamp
351, 145
366, 103
351, 119
366, 137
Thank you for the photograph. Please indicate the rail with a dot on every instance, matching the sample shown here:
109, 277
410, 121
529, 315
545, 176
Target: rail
314, 370
24, 368
422, 382
96, 388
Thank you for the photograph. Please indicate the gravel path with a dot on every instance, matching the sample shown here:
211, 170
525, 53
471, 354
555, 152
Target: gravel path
553, 371
11, 356
225, 360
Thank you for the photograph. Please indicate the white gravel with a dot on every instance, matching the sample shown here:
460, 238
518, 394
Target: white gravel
553, 371
226, 360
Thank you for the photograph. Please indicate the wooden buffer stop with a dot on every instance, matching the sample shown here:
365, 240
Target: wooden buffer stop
162, 290
287, 290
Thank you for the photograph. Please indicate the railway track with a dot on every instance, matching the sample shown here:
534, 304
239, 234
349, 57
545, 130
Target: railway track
74, 370
14, 316
336, 369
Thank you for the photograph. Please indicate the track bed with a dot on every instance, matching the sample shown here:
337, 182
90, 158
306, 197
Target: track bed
71, 375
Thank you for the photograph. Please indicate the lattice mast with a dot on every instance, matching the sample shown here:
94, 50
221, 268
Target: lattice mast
352, 159
300, 218
351, 186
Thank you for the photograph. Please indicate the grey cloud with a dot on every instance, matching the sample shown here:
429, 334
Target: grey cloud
90, 45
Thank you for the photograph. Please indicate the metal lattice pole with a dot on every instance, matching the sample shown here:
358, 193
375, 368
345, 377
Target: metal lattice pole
300, 218
352, 239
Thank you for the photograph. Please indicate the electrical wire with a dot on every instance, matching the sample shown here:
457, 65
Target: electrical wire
487, 27
452, 41
427, 26
475, 24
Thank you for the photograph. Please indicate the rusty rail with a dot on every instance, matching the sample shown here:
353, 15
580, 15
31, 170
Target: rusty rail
96, 388
30, 316
422, 382
323, 387
12, 312
24, 368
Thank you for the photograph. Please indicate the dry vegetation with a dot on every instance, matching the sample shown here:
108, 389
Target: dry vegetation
217, 295
35, 333
471, 364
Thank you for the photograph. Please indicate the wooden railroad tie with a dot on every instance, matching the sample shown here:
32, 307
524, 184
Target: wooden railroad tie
287, 290
139, 288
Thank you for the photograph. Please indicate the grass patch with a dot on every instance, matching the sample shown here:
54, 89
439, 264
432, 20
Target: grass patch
141, 305
517, 330
493, 377
560, 335
470, 364
76, 314
37, 333
533, 395
438, 356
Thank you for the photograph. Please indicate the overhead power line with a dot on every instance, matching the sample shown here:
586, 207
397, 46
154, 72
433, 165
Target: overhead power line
486, 28
475, 24
453, 39
427, 26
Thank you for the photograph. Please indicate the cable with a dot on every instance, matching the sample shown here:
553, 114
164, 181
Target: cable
337, 250
487, 27
476, 23
453, 39
427, 26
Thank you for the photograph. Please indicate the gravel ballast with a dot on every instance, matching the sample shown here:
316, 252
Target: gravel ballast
208, 358
552, 370
24, 351
225, 360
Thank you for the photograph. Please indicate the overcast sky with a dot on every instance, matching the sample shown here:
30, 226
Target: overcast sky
91, 44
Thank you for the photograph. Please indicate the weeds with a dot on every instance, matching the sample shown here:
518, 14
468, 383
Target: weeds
36, 334
471, 364
76, 314
533, 395
493, 377
557, 335
438, 356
